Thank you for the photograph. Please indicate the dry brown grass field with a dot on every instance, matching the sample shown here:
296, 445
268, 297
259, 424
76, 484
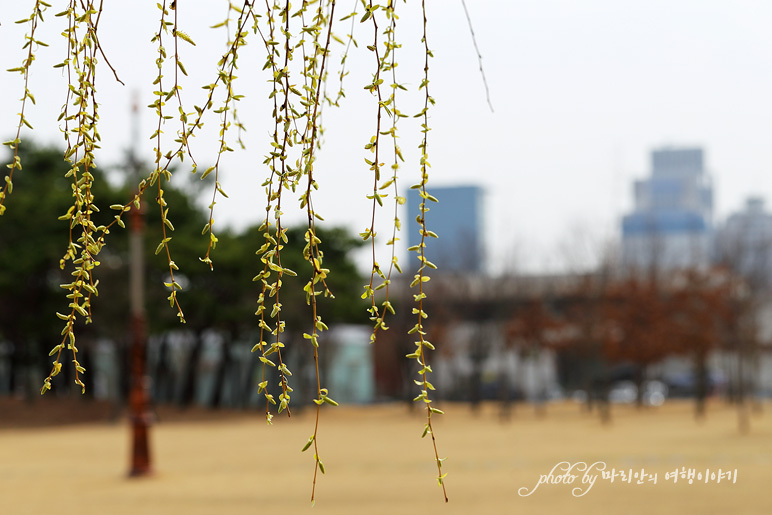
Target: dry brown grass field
377, 463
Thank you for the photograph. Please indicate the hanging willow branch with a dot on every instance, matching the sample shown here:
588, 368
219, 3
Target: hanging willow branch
30, 44
297, 46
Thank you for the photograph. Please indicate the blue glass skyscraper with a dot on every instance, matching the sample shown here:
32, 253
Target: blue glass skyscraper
457, 220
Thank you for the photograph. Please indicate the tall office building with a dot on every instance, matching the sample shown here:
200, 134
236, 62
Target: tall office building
671, 225
457, 220
744, 242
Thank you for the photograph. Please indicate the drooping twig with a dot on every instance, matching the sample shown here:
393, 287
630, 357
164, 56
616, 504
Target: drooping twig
479, 56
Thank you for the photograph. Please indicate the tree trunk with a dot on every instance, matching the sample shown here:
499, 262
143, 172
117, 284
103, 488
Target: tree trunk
604, 404
505, 399
13, 367
639, 376
477, 356
191, 372
249, 385
743, 416
163, 384
589, 386
756, 403
86, 362
218, 392
701, 383
475, 386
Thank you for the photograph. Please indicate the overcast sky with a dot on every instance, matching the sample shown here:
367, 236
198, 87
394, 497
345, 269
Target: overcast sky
582, 91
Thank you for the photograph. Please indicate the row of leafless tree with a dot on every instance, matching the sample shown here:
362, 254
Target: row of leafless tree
596, 327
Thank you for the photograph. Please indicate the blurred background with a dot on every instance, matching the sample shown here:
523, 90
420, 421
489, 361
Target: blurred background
604, 289
680, 307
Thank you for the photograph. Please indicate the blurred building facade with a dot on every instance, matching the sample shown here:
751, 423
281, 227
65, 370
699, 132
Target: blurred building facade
671, 225
458, 221
744, 242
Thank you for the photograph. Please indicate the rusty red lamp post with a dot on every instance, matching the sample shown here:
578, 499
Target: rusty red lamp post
139, 407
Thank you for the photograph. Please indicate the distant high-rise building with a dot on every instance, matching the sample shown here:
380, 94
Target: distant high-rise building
744, 242
671, 225
457, 220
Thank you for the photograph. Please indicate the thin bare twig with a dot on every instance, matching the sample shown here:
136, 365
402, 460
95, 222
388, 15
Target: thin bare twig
99, 46
479, 56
